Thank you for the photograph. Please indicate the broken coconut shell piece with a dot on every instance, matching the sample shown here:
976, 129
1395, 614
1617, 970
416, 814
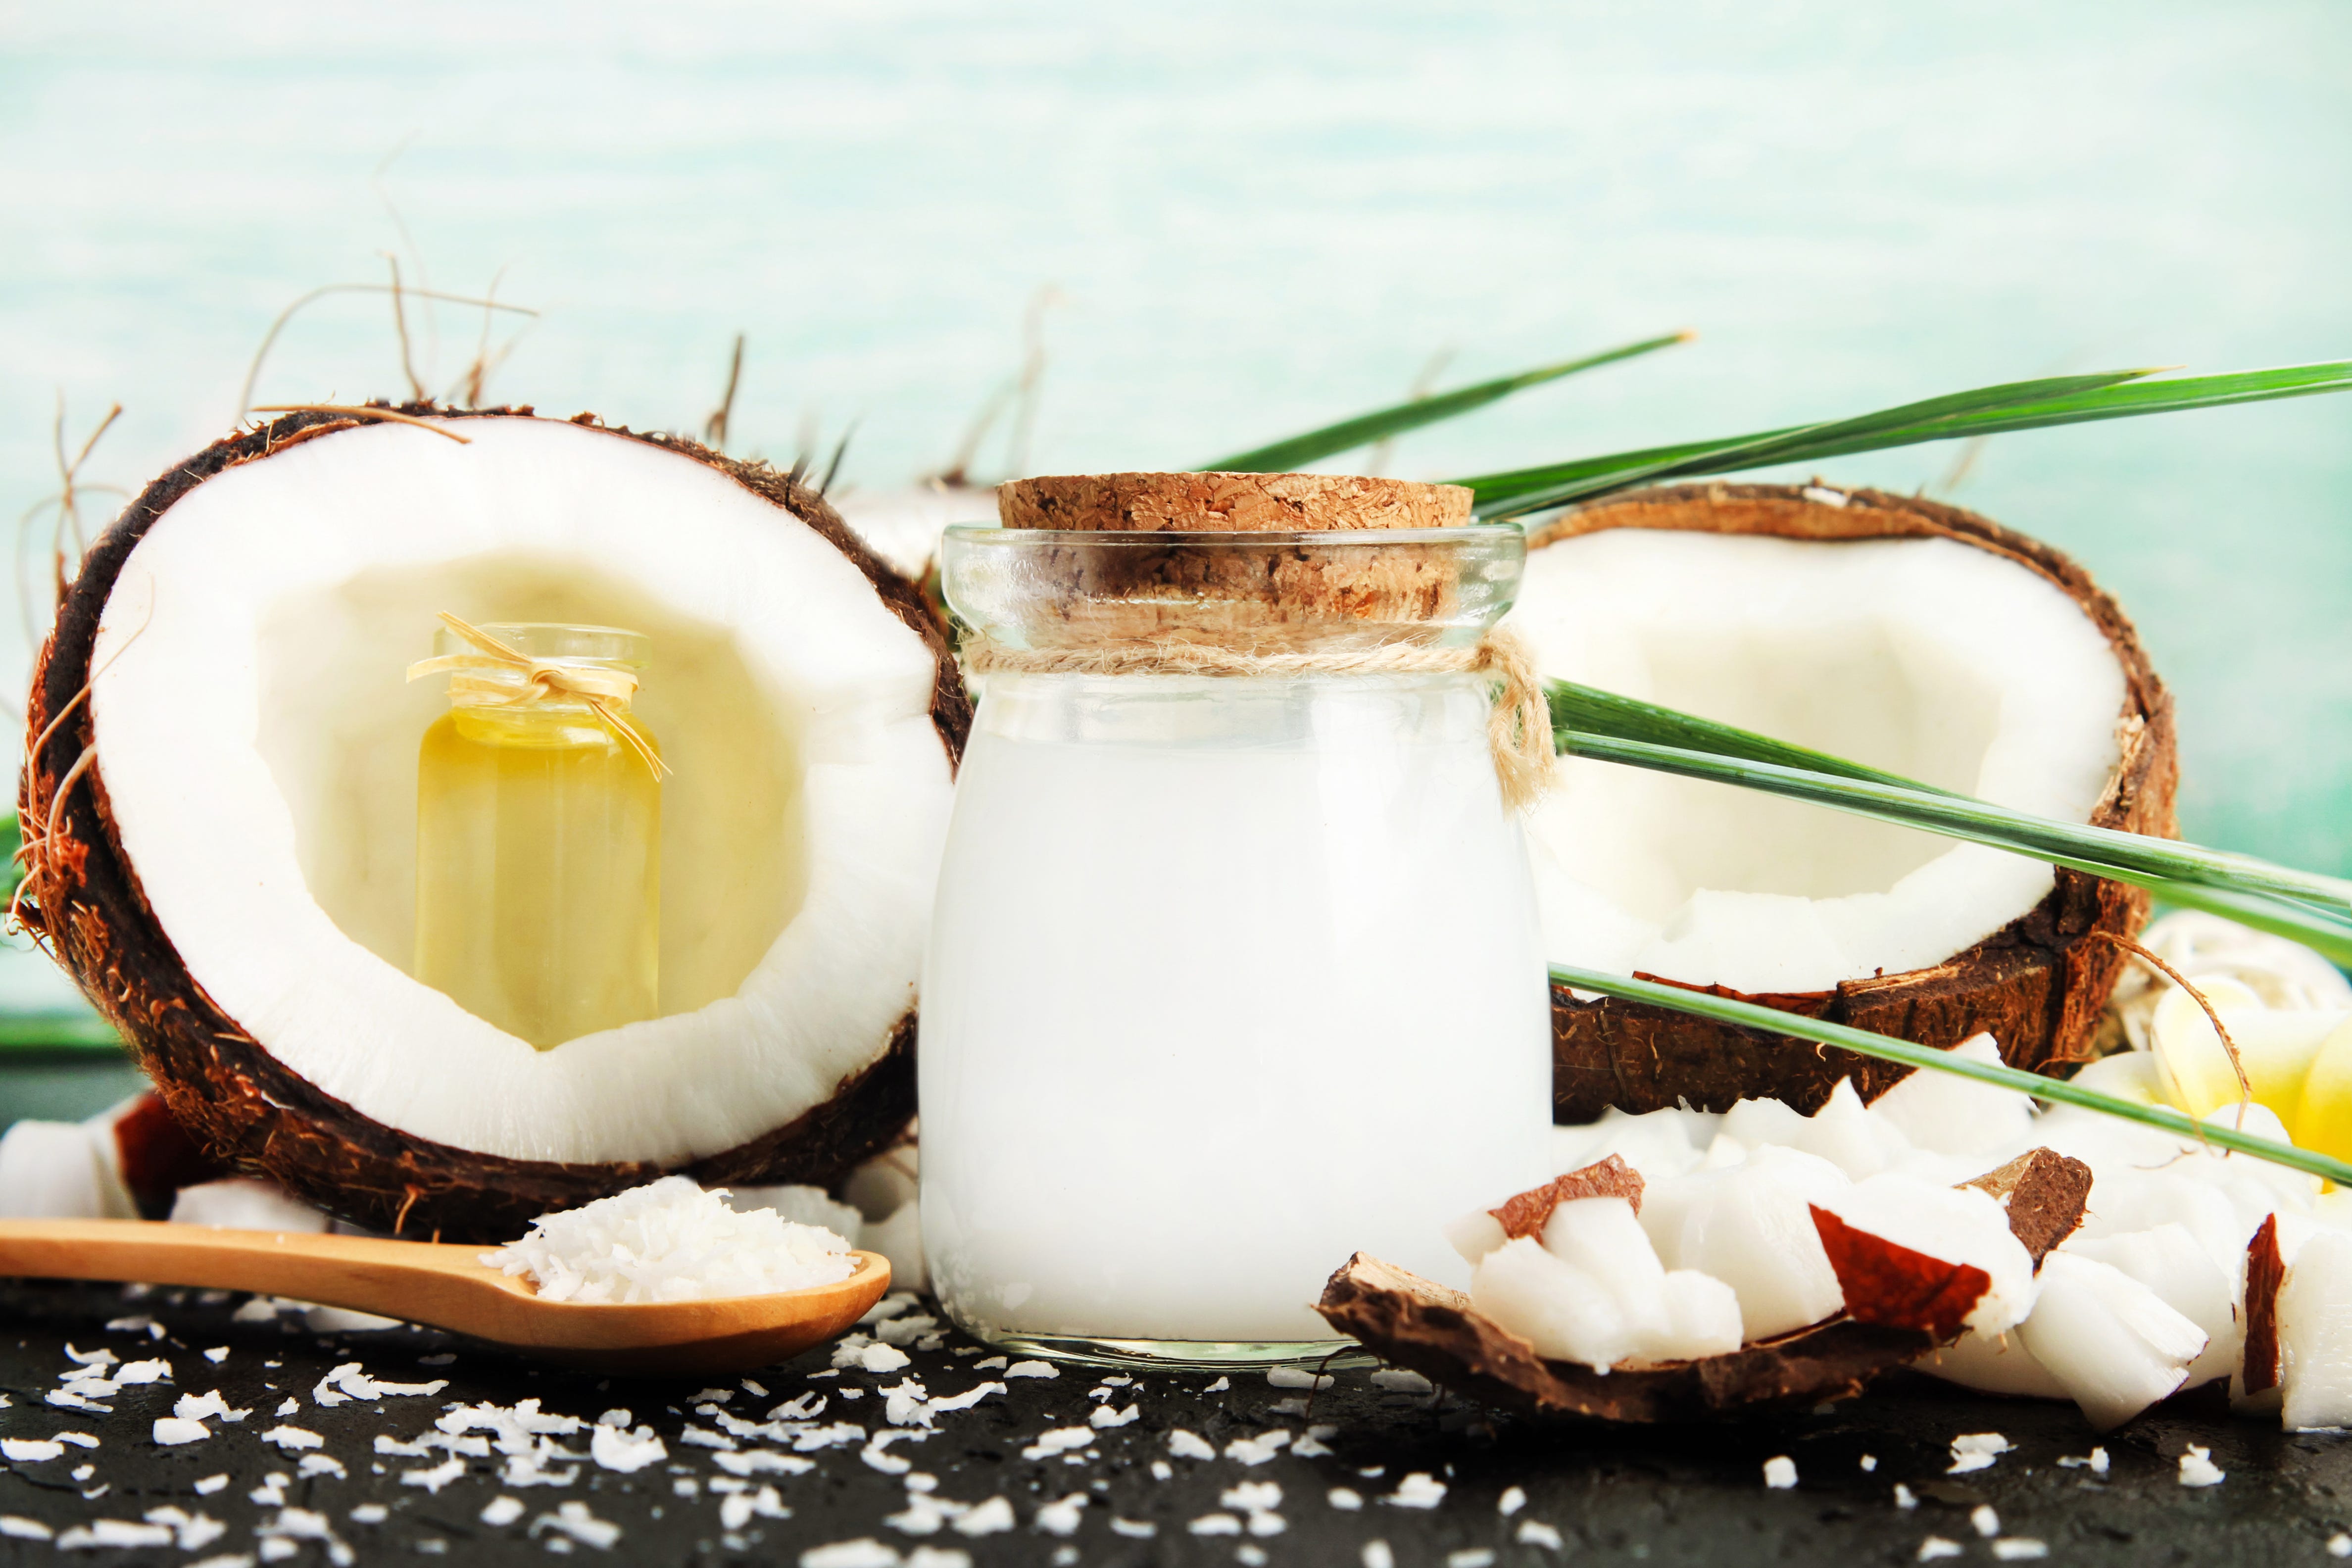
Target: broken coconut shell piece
2045, 1193
2265, 1274
1418, 1323
1525, 1214
1900, 1304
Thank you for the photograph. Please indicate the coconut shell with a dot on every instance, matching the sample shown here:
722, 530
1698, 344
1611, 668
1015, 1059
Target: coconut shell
82, 901
2265, 1273
1526, 1214
1420, 1324
2037, 984
2045, 1193
1900, 1305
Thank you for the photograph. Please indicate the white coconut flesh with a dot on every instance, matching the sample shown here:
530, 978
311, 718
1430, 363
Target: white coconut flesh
257, 742
903, 524
1922, 656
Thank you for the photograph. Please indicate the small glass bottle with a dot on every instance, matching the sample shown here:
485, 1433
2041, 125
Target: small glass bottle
539, 834
1231, 974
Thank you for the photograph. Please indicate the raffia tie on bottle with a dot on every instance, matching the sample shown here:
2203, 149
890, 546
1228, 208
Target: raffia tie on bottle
1518, 732
497, 675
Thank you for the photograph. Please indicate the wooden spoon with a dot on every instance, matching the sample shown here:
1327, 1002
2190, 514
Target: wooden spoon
449, 1287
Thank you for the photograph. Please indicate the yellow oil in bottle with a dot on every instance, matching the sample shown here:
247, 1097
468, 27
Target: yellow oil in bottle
538, 860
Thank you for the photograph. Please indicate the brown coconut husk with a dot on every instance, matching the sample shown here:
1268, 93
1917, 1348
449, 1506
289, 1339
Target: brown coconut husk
2037, 984
81, 901
1900, 1304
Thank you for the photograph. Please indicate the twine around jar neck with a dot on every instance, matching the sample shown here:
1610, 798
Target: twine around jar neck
1518, 731
495, 675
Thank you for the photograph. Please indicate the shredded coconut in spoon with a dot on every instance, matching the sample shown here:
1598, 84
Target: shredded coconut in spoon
671, 1241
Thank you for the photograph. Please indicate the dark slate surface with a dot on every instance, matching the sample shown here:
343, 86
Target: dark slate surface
1651, 1496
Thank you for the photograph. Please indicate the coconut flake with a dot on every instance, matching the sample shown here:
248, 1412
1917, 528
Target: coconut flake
1780, 1472
670, 1240
170, 1431
2197, 1469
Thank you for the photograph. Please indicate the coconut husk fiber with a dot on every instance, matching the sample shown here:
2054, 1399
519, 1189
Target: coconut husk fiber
2037, 984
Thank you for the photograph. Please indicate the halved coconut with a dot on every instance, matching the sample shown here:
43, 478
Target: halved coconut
1912, 637
221, 811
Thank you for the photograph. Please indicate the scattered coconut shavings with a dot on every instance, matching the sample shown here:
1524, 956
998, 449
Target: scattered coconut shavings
348, 1383
79, 1439
573, 1519
1061, 1517
1259, 1449
501, 1511
1216, 1524
201, 1406
1133, 1529
670, 1240
2096, 1461
28, 1450
292, 1439
320, 1465
1296, 1377
142, 1371
171, 1431
2197, 1469
2339, 1544
765, 1462
1869, 1462
272, 1492
1401, 1380
103, 1533
286, 1406
1535, 1532
439, 1476
1032, 1369
1525, 1214
863, 1553
217, 1355
190, 1532
1348, 1500
1376, 1554
988, 1518
1060, 1440
2019, 1549
299, 1524
1976, 1451
1985, 1520
1780, 1472
1905, 1499
211, 1483
1104, 1417
1936, 1547
1418, 1489
627, 1452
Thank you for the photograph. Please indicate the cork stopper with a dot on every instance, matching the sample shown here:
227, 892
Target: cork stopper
1113, 582
1228, 504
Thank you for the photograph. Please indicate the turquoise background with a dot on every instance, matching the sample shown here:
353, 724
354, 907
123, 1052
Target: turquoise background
1255, 218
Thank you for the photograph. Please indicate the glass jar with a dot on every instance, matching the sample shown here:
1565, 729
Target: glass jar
539, 833
1230, 974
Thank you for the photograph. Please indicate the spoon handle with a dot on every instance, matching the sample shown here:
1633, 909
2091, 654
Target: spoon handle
408, 1280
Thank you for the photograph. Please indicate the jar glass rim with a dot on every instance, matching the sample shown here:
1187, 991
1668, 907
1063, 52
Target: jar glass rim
559, 642
1248, 591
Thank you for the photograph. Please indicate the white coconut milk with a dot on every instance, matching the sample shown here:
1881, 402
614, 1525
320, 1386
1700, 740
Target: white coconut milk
1229, 979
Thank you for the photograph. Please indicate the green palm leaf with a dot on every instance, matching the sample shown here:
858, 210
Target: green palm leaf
1297, 451
2016, 406
1886, 1048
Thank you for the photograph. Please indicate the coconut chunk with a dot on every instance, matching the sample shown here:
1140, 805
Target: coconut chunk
2171, 1261
2109, 1340
1750, 1225
1949, 1115
242, 1204
1995, 1363
1611, 1302
2315, 1332
1560, 1310
1958, 1227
